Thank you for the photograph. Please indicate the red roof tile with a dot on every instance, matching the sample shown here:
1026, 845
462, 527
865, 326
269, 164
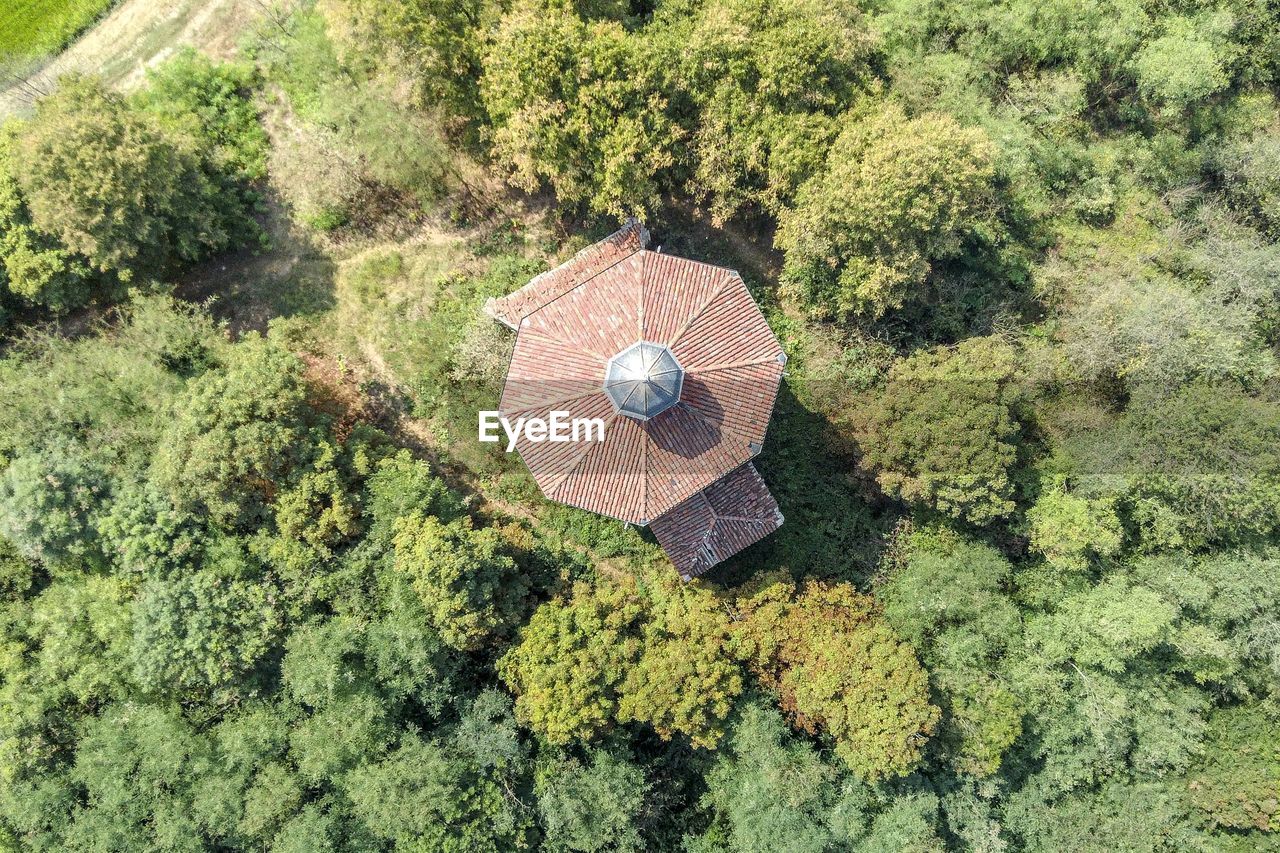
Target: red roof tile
718, 522
571, 321
512, 308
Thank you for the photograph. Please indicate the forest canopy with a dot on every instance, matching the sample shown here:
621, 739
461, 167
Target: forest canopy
260, 589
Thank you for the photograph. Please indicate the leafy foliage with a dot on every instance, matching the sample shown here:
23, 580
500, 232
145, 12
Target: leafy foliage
895, 195
839, 668
942, 431
609, 652
577, 104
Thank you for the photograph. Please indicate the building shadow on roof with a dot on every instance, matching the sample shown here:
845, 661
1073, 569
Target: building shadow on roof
686, 430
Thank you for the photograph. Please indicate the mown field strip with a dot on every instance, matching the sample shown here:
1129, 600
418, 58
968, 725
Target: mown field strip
38, 27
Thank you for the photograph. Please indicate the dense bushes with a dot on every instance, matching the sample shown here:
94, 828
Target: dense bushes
98, 191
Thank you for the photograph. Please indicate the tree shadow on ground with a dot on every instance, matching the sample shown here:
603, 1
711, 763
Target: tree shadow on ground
836, 524
293, 276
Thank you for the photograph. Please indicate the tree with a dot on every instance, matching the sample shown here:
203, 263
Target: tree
1250, 170
578, 105
769, 80
1158, 331
1236, 783
49, 501
401, 485
111, 184
207, 100
591, 805
1188, 62
143, 533
1199, 465
139, 766
206, 629
470, 588
1068, 530
238, 435
839, 668
941, 431
894, 195
609, 653
947, 599
774, 792
571, 657
423, 796
685, 679
440, 42
34, 266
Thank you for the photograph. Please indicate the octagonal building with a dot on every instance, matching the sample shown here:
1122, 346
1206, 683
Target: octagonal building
675, 358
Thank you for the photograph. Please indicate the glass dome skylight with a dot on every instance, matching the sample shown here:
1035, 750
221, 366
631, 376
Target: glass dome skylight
644, 380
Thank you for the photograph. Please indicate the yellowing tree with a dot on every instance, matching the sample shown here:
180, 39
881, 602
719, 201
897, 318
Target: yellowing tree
612, 652
577, 105
896, 193
468, 585
839, 668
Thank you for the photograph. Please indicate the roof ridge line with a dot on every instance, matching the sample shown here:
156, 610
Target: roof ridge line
728, 279
733, 364
581, 456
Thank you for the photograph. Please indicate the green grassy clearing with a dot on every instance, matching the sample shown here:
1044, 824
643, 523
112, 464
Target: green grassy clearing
37, 27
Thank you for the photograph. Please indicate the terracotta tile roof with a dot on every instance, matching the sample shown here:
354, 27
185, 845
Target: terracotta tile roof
732, 369
572, 320
718, 522
511, 309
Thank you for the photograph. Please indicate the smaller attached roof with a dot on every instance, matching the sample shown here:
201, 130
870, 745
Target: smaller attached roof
718, 522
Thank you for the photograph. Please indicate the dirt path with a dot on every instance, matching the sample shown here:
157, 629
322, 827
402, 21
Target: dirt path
138, 34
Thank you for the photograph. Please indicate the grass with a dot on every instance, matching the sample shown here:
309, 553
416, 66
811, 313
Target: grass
30, 28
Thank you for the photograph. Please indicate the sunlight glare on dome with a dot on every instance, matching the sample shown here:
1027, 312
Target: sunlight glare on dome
644, 380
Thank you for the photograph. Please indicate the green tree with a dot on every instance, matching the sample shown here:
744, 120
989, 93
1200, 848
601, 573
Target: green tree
207, 100
34, 267
1187, 63
839, 668
143, 533
1236, 783
238, 435
139, 766
469, 586
1191, 468
110, 183
947, 599
941, 433
774, 792
423, 797
591, 805
441, 43
570, 660
894, 195
206, 629
49, 501
685, 679
578, 105
769, 80
401, 485
1068, 530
